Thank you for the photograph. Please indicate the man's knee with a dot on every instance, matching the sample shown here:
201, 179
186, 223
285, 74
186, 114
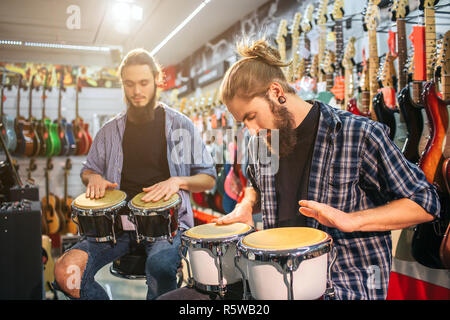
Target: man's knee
69, 270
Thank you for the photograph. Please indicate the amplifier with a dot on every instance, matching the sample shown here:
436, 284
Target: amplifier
21, 268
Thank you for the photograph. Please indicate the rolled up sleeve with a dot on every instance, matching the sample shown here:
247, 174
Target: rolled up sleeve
96, 158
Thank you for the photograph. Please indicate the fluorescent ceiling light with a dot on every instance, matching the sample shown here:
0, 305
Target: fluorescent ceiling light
53, 45
180, 26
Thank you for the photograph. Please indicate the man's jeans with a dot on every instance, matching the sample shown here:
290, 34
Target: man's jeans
161, 265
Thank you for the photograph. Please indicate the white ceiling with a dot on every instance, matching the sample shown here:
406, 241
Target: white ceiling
45, 21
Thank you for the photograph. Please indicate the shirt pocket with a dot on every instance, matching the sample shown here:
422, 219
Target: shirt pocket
343, 186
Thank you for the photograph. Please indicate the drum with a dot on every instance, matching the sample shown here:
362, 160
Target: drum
155, 220
99, 218
286, 263
212, 248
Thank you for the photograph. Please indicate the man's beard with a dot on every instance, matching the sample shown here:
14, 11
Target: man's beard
284, 122
143, 114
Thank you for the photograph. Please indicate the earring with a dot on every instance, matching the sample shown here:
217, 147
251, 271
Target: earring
282, 99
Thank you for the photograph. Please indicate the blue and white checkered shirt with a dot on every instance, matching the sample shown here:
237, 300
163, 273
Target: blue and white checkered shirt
355, 166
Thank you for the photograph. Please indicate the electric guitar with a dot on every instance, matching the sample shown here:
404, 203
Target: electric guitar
364, 92
349, 63
370, 24
67, 140
338, 88
321, 20
24, 134
410, 111
281, 42
307, 82
81, 135
49, 129
32, 121
8, 132
436, 109
295, 36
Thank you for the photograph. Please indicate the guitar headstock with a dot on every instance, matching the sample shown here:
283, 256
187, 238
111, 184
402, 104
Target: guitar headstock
68, 165
295, 27
387, 72
282, 32
338, 10
426, 4
322, 11
306, 23
364, 77
400, 9
329, 61
372, 15
349, 54
314, 67
445, 66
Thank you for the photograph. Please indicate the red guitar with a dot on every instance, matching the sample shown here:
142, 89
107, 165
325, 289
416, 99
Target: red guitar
82, 138
436, 109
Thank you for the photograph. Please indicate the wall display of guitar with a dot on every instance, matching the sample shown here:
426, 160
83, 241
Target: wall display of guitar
321, 20
80, 129
292, 73
51, 205
360, 105
8, 132
66, 203
307, 82
65, 129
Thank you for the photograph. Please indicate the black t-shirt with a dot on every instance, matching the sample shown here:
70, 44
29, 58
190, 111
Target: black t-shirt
292, 178
144, 154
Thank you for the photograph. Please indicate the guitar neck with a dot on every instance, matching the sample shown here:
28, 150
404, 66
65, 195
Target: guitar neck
430, 40
322, 46
76, 102
47, 188
30, 114
1, 101
18, 102
339, 46
65, 185
373, 63
402, 53
348, 85
43, 103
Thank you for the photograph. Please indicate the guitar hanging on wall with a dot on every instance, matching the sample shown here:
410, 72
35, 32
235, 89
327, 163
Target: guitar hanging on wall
8, 132
81, 135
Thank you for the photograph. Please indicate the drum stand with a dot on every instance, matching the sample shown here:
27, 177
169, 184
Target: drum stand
289, 265
218, 252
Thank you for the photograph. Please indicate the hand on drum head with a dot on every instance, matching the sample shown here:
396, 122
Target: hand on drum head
97, 186
241, 213
328, 216
162, 190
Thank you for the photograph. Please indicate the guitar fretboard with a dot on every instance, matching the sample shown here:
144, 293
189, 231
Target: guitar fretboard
373, 68
339, 46
430, 40
401, 44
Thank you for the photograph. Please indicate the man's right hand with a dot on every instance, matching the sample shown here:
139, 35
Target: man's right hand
97, 185
241, 213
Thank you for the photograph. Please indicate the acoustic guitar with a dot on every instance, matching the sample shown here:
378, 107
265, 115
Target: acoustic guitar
48, 262
37, 142
48, 128
51, 204
79, 131
8, 132
66, 203
24, 134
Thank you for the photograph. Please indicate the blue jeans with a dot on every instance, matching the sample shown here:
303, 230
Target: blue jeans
160, 267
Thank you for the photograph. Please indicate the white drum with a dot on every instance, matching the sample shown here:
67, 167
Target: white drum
212, 249
286, 263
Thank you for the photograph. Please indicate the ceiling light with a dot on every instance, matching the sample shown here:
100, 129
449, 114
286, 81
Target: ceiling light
179, 27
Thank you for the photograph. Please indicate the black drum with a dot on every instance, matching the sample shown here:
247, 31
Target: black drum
100, 218
155, 220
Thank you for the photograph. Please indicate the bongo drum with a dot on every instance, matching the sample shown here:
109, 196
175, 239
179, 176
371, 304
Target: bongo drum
211, 248
155, 220
287, 263
99, 218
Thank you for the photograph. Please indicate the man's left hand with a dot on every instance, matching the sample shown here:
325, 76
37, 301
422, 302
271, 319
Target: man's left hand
328, 216
162, 190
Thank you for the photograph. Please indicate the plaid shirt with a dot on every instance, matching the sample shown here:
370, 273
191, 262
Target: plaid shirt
355, 166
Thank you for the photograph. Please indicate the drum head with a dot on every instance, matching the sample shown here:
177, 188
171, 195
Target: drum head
213, 230
139, 204
111, 198
284, 238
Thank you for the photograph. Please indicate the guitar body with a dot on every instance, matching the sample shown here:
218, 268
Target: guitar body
414, 124
71, 144
25, 143
66, 210
42, 133
52, 141
63, 142
86, 129
8, 132
48, 262
81, 136
49, 210
384, 114
432, 159
353, 108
